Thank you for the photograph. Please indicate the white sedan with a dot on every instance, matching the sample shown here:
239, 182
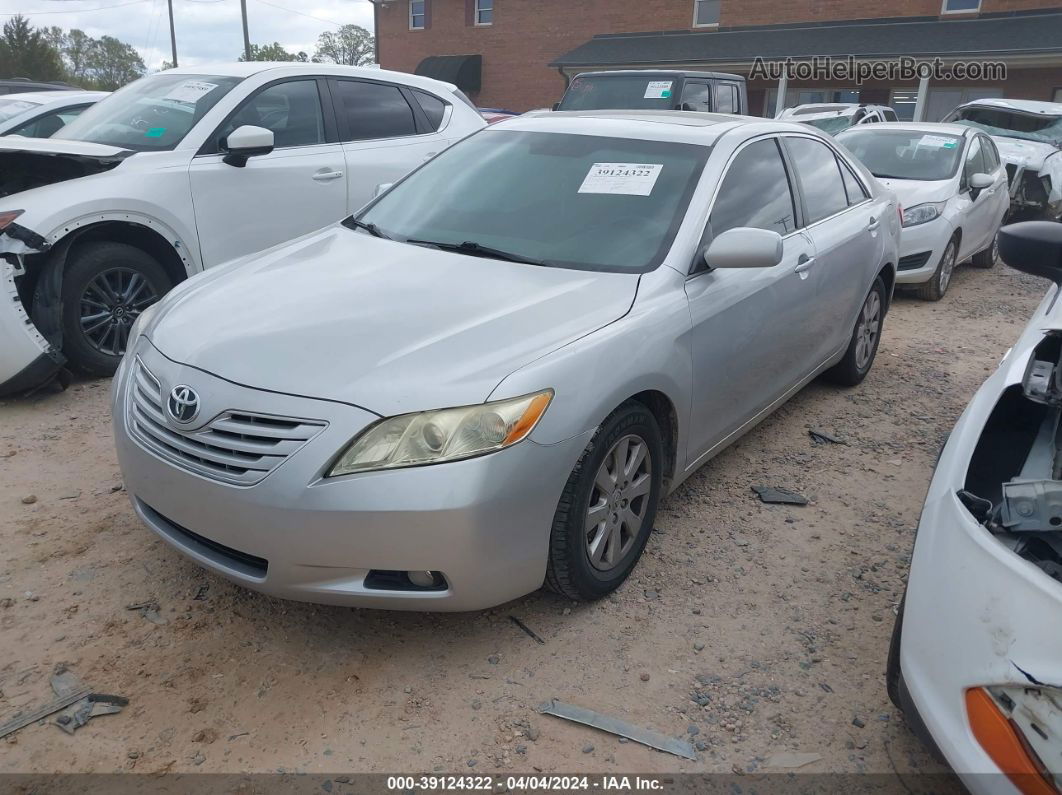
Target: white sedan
976, 656
953, 190
41, 114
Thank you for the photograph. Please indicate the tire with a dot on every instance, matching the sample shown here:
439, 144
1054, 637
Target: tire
105, 287
570, 570
938, 283
987, 258
892, 665
863, 345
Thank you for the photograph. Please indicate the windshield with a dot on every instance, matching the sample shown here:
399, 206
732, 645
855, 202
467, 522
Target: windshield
152, 114
634, 92
575, 201
905, 154
10, 108
1013, 124
830, 124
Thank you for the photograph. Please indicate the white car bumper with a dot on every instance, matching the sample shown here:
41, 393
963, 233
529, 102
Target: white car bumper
977, 615
26, 358
921, 248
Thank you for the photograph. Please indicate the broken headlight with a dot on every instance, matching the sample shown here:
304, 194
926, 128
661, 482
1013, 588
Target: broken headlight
7, 217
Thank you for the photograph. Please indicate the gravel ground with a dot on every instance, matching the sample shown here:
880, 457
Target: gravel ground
750, 630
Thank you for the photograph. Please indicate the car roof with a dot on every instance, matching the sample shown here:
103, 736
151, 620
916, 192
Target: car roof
246, 69
1023, 105
670, 72
680, 126
58, 97
916, 126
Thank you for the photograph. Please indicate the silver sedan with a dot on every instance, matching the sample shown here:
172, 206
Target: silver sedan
488, 378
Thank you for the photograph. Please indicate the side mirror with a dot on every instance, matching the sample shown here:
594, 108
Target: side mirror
745, 247
1033, 247
382, 188
246, 142
981, 181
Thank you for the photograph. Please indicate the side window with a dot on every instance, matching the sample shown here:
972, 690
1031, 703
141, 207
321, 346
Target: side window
975, 160
696, 95
433, 107
48, 125
725, 98
373, 110
852, 186
889, 114
820, 177
991, 156
292, 110
755, 192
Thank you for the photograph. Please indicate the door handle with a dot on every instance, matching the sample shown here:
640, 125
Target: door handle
874, 224
804, 263
327, 176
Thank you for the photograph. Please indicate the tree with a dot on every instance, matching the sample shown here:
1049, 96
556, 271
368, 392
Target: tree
113, 63
77, 47
272, 52
351, 45
27, 52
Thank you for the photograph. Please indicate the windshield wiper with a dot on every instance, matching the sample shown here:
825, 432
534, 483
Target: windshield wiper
372, 229
474, 249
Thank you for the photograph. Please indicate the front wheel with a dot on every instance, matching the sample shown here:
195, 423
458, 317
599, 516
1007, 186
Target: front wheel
105, 288
934, 289
608, 506
863, 346
988, 257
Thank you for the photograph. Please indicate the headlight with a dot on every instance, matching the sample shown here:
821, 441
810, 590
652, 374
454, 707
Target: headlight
7, 217
432, 437
138, 327
922, 213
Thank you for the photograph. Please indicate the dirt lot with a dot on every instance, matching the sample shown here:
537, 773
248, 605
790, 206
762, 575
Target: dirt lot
747, 629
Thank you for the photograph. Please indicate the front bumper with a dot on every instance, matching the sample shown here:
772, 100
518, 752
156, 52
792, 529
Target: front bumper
931, 237
976, 614
27, 360
484, 523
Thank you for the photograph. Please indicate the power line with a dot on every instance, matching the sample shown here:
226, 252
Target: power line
301, 14
73, 11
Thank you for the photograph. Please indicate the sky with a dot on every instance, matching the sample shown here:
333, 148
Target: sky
207, 30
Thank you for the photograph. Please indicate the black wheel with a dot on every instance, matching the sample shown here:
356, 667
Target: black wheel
934, 289
105, 288
863, 346
608, 506
988, 257
892, 666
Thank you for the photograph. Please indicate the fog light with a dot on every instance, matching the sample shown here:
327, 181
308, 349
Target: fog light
423, 579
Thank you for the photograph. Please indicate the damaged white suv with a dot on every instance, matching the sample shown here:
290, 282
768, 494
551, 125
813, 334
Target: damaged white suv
184, 170
1028, 135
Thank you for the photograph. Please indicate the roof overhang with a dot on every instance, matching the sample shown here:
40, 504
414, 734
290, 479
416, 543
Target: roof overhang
464, 71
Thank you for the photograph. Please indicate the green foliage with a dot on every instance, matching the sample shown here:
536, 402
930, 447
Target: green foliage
351, 45
27, 52
273, 52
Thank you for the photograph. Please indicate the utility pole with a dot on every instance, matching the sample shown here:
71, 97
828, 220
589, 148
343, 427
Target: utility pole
173, 34
246, 37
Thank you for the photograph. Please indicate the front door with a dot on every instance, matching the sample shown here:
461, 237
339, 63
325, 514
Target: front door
751, 333
299, 187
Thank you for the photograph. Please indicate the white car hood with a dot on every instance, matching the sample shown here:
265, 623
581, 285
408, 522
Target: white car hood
1030, 154
912, 192
387, 326
56, 146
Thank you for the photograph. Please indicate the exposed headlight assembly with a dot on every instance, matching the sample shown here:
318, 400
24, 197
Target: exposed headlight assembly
7, 217
432, 437
138, 327
922, 213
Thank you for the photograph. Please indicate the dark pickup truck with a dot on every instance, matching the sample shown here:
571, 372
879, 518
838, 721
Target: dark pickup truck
652, 89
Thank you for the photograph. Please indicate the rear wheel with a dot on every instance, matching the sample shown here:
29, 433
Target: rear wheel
863, 346
608, 506
105, 288
988, 257
934, 289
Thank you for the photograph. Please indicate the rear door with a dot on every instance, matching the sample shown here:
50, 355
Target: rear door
751, 330
387, 131
297, 188
726, 98
848, 237
696, 95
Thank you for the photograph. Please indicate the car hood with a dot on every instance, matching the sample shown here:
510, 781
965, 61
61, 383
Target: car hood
912, 192
56, 146
387, 326
1030, 154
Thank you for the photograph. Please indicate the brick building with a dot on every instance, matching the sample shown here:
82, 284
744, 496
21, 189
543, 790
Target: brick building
519, 54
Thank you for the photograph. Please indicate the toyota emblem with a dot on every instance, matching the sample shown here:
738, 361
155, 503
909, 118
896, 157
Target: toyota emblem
183, 404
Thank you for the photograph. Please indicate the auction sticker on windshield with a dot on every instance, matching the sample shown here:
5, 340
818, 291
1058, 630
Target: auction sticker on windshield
190, 91
625, 179
937, 142
658, 89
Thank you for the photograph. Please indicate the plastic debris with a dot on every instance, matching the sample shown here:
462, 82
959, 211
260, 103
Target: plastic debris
621, 728
778, 496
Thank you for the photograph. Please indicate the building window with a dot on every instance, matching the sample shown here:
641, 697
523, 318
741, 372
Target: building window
706, 13
417, 14
484, 12
1058, 95
961, 6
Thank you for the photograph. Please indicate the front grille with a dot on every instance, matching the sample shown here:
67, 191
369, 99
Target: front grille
235, 447
913, 262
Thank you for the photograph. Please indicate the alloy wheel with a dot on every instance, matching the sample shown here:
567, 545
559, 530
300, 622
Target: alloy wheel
867, 329
947, 267
110, 303
618, 503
